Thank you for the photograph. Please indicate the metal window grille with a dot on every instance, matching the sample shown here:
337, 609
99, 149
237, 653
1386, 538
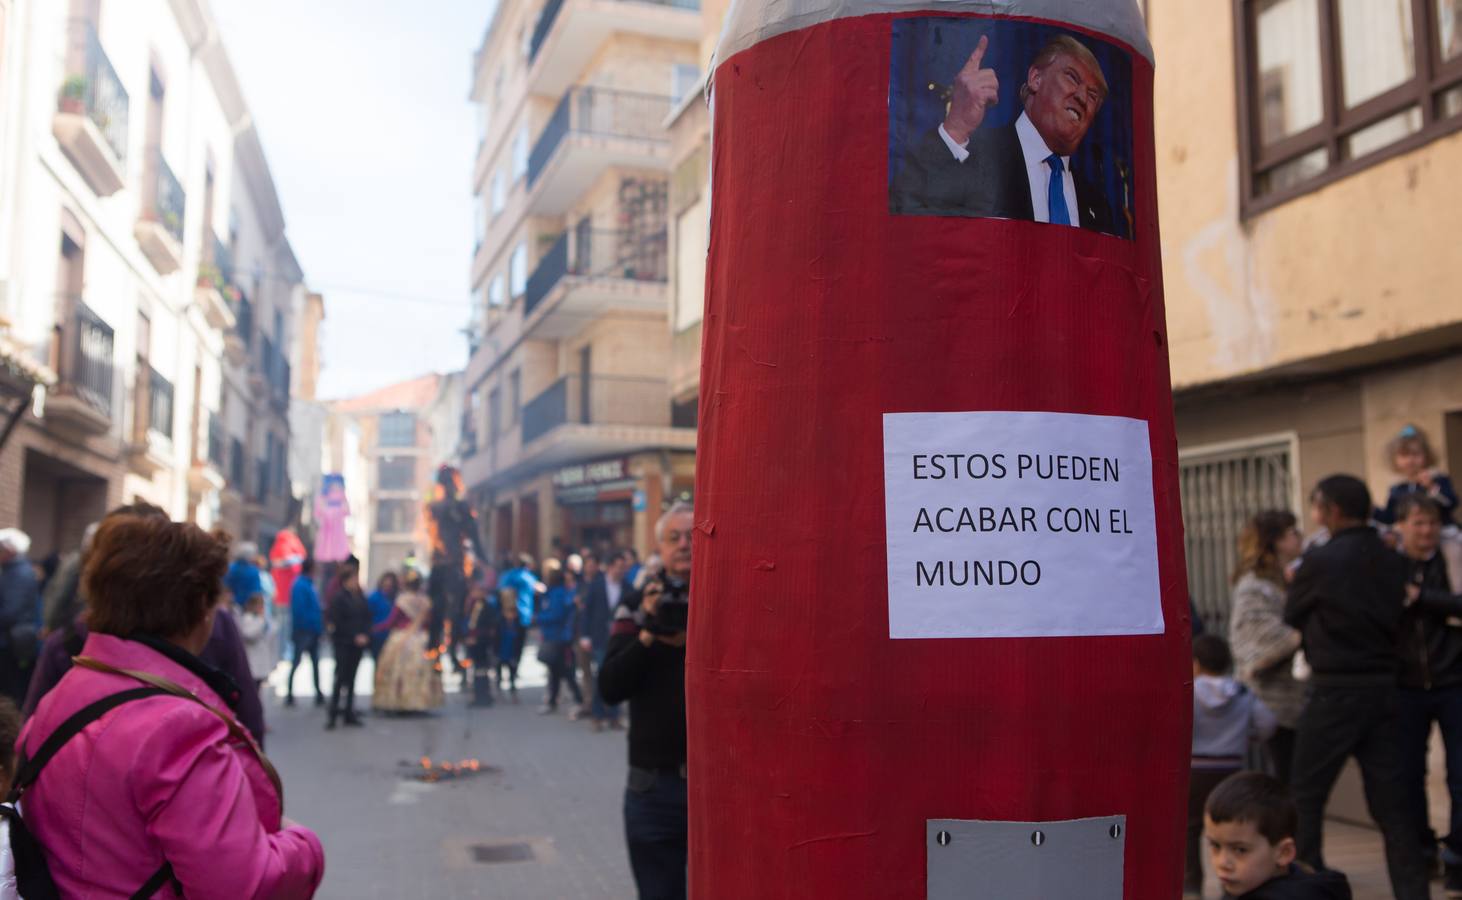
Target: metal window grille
1220, 491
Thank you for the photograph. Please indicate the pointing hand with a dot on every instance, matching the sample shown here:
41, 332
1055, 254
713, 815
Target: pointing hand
975, 89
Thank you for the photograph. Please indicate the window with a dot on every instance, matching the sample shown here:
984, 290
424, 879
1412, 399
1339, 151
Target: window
398, 429
499, 192
690, 265
1221, 488
494, 414
520, 152
479, 223
515, 396
682, 79
395, 516
1331, 83
518, 271
495, 295
396, 473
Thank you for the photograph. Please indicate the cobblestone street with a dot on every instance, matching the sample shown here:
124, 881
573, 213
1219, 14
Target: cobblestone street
553, 785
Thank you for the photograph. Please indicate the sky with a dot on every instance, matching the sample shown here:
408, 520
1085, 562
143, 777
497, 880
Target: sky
362, 109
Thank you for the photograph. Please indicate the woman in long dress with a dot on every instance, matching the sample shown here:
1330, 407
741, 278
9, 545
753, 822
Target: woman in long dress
407, 679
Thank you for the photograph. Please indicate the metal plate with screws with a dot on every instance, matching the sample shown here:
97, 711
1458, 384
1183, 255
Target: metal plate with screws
1078, 859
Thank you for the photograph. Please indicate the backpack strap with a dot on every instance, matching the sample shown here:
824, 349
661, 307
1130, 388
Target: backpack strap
160, 879
30, 768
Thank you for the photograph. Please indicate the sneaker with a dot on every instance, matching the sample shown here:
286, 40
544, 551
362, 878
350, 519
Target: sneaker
354, 722
1452, 882
329, 724
547, 710
577, 714
319, 699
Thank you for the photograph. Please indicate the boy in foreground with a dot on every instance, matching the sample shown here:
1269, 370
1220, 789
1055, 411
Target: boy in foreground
1249, 825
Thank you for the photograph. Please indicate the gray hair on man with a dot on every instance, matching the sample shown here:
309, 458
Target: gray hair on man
679, 507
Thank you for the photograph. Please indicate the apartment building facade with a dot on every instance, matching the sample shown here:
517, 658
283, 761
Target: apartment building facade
402, 433
1307, 152
144, 268
571, 435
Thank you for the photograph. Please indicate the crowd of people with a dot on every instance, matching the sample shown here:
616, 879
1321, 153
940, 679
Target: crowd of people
148, 613
1345, 646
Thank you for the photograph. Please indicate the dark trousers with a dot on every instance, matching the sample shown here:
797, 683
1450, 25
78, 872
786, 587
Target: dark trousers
602, 711
1418, 710
1338, 723
305, 642
1281, 753
656, 827
347, 660
560, 672
509, 660
1201, 783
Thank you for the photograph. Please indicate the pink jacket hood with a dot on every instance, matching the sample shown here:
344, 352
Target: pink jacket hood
159, 779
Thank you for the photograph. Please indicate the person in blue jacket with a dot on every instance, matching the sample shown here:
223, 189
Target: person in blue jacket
382, 600
243, 578
308, 620
556, 627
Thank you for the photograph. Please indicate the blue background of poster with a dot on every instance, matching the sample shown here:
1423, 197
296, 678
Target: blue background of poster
934, 48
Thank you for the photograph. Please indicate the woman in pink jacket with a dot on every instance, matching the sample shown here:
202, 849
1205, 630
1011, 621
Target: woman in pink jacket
167, 789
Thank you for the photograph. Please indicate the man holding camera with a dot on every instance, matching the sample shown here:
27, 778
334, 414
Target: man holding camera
645, 665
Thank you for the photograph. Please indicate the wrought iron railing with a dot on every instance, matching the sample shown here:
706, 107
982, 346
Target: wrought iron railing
244, 318
598, 400
597, 254
215, 441
553, 7
87, 344
218, 270
159, 403
547, 411
236, 465
166, 200
97, 90
552, 267
602, 112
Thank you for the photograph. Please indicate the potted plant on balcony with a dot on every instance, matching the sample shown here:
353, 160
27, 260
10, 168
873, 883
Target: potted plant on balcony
210, 277
73, 95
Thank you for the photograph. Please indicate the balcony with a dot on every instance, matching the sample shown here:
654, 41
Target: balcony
588, 272
274, 370
592, 130
159, 229
580, 416
91, 115
82, 352
570, 31
207, 471
150, 450
237, 340
215, 289
236, 466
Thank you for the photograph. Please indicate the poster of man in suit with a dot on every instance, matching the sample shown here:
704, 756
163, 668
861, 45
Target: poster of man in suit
1010, 119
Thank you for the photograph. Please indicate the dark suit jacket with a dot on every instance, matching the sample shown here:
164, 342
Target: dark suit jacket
992, 182
597, 615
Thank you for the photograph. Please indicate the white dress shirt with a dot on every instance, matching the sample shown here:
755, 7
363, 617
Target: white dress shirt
1038, 174
613, 589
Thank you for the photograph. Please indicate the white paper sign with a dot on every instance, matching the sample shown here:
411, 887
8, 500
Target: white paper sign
1019, 524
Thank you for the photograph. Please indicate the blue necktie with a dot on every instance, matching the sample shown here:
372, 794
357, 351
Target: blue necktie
1056, 193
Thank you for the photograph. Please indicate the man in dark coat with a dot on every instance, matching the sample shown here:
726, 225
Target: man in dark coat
1018, 171
1347, 600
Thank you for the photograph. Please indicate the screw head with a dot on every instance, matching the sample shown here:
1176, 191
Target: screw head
942, 839
1115, 831
1038, 838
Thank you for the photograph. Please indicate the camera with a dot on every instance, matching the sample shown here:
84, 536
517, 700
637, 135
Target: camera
672, 613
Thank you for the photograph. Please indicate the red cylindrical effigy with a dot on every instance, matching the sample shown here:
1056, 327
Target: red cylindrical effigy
849, 279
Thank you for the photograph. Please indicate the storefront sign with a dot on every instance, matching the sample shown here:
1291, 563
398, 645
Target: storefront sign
593, 473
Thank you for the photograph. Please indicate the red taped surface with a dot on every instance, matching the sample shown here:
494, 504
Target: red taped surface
819, 746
